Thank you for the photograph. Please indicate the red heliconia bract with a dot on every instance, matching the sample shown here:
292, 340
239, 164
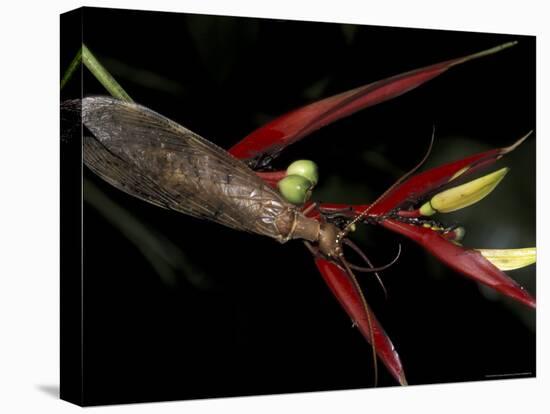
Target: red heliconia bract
273, 137
350, 299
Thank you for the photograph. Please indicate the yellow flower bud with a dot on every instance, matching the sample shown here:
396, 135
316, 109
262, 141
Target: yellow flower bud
510, 259
463, 195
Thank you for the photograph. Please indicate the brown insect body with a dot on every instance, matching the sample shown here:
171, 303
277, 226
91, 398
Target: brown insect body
157, 160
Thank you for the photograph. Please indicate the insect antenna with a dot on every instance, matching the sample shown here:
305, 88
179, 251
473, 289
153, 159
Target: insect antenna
370, 267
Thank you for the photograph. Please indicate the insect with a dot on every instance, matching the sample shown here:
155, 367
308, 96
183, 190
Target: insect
159, 161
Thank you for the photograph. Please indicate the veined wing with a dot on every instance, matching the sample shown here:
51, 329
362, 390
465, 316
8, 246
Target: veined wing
148, 156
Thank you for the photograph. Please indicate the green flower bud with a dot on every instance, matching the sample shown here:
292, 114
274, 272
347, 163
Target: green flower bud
295, 189
304, 168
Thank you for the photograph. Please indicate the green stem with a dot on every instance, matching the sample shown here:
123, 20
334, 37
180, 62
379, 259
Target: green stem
103, 76
75, 63
98, 70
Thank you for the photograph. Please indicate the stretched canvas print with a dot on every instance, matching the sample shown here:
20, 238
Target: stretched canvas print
257, 206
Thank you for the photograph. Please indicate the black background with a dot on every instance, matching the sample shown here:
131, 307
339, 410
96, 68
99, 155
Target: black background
237, 314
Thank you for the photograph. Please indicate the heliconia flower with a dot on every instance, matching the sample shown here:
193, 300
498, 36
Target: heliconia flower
397, 210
